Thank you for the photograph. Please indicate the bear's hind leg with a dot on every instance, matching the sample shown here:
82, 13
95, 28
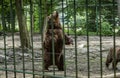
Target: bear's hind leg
60, 63
47, 61
114, 64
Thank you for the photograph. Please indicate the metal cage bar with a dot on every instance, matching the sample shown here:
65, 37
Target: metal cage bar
70, 11
3, 23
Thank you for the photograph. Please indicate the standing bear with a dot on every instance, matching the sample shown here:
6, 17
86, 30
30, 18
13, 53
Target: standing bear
113, 56
53, 42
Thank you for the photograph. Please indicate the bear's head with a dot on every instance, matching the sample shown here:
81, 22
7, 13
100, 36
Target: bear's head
53, 21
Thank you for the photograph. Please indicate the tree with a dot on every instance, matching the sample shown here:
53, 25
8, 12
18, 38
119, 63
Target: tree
24, 35
7, 10
43, 8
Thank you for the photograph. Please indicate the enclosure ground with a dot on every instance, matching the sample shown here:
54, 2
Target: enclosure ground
14, 58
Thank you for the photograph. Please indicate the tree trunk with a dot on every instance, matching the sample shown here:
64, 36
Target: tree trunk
45, 19
24, 34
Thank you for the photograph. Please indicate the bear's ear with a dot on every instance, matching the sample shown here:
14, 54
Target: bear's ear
55, 14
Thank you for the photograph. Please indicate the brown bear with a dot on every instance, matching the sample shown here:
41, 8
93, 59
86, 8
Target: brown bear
53, 41
113, 57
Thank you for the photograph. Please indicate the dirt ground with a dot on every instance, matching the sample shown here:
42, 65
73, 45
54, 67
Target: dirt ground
25, 61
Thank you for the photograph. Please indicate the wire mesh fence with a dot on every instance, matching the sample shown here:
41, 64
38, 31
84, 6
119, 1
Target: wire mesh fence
59, 39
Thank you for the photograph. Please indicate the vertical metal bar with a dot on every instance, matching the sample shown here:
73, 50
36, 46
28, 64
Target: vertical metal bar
23, 62
31, 28
40, 24
63, 38
40, 15
53, 49
67, 18
114, 36
96, 6
101, 71
3, 24
74, 4
88, 61
53, 46
13, 29
23, 50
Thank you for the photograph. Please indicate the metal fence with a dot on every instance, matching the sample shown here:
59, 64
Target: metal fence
93, 26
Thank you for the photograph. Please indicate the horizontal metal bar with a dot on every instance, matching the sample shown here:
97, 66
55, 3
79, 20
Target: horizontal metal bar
46, 75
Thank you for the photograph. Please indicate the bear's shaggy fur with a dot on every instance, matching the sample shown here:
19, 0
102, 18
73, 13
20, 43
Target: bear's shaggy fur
53, 41
113, 57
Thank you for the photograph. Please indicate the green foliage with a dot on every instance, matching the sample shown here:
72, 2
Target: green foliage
80, 22
106, 29
93, 14
82, 32
118, 31
1, 27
